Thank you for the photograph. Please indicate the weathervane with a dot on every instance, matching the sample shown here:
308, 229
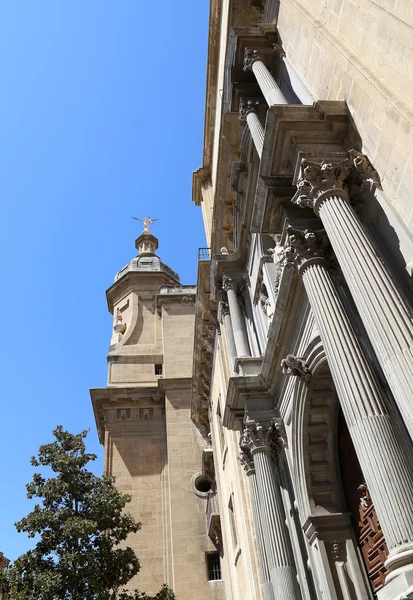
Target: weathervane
146, 222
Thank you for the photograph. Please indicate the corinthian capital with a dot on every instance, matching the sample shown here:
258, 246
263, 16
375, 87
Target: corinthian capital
232, 281
262, 437
305, 245
319, 180
250, 56
247, 106
246, 461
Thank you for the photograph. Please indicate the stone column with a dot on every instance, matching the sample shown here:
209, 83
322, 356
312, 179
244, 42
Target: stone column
226, 317
261, 442
231, 284
385, 313
247, 462
254, 60
385, 462
248, 112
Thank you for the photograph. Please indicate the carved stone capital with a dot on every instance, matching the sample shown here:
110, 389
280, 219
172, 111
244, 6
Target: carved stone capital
295, 367
247, 106
320, 180
232, 281
266, 437
305, 245
246, 461
250, 56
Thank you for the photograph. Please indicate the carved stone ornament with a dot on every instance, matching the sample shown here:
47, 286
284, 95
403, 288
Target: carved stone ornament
247, 106
295, 367
250, 56
246, 461
268, 436
338, 551
318, 179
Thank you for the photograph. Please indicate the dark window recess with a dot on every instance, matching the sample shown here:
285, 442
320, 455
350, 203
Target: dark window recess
158, 369
214, 566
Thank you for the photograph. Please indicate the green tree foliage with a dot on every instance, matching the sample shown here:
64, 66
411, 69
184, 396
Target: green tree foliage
79, 524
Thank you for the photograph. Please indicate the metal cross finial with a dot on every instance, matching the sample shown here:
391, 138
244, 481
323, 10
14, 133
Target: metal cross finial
146, 222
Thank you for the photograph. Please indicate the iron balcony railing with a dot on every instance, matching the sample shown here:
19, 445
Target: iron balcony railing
204, 253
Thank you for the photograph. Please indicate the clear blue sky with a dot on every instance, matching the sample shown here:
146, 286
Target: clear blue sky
102, 111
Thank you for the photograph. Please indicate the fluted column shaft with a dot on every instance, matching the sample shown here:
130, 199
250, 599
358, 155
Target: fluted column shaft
257, 131
276, 538
385, 313
232, 351
385, 463
230, 284
248, 113
254, 61
256, 511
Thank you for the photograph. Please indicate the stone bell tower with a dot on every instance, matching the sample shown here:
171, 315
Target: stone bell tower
152, 447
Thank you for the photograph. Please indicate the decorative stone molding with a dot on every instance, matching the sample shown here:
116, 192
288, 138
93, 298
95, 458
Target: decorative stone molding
248, 106
295, 367
258, 437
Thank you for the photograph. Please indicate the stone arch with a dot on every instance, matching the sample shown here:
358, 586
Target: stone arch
314, 440
324, 516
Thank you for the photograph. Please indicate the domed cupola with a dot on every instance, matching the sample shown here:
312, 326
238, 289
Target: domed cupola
147, 261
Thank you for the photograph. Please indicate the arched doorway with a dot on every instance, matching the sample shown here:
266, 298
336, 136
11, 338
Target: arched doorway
365, 522
347, 548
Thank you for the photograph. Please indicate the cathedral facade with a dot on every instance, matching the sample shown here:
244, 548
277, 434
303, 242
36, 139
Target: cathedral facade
262, 420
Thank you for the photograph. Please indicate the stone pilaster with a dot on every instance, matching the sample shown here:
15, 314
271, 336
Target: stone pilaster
262, 442
384, 460
248, 113
231, 284
386, 315
254, 60
247, 462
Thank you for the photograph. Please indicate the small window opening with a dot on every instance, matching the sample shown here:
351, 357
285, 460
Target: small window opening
158, 369
202, 484
214, 566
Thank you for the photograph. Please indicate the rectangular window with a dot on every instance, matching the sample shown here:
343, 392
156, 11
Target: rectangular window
158, 369
213, 566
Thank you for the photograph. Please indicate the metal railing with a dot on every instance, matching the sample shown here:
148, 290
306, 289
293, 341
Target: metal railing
204, 253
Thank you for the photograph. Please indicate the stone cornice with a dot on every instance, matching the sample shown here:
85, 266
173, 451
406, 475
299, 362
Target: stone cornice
134, 278
122, 397
204, 336
291, 130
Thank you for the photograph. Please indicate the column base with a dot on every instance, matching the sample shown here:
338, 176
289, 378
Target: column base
399, 587
268, 591
399, 563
